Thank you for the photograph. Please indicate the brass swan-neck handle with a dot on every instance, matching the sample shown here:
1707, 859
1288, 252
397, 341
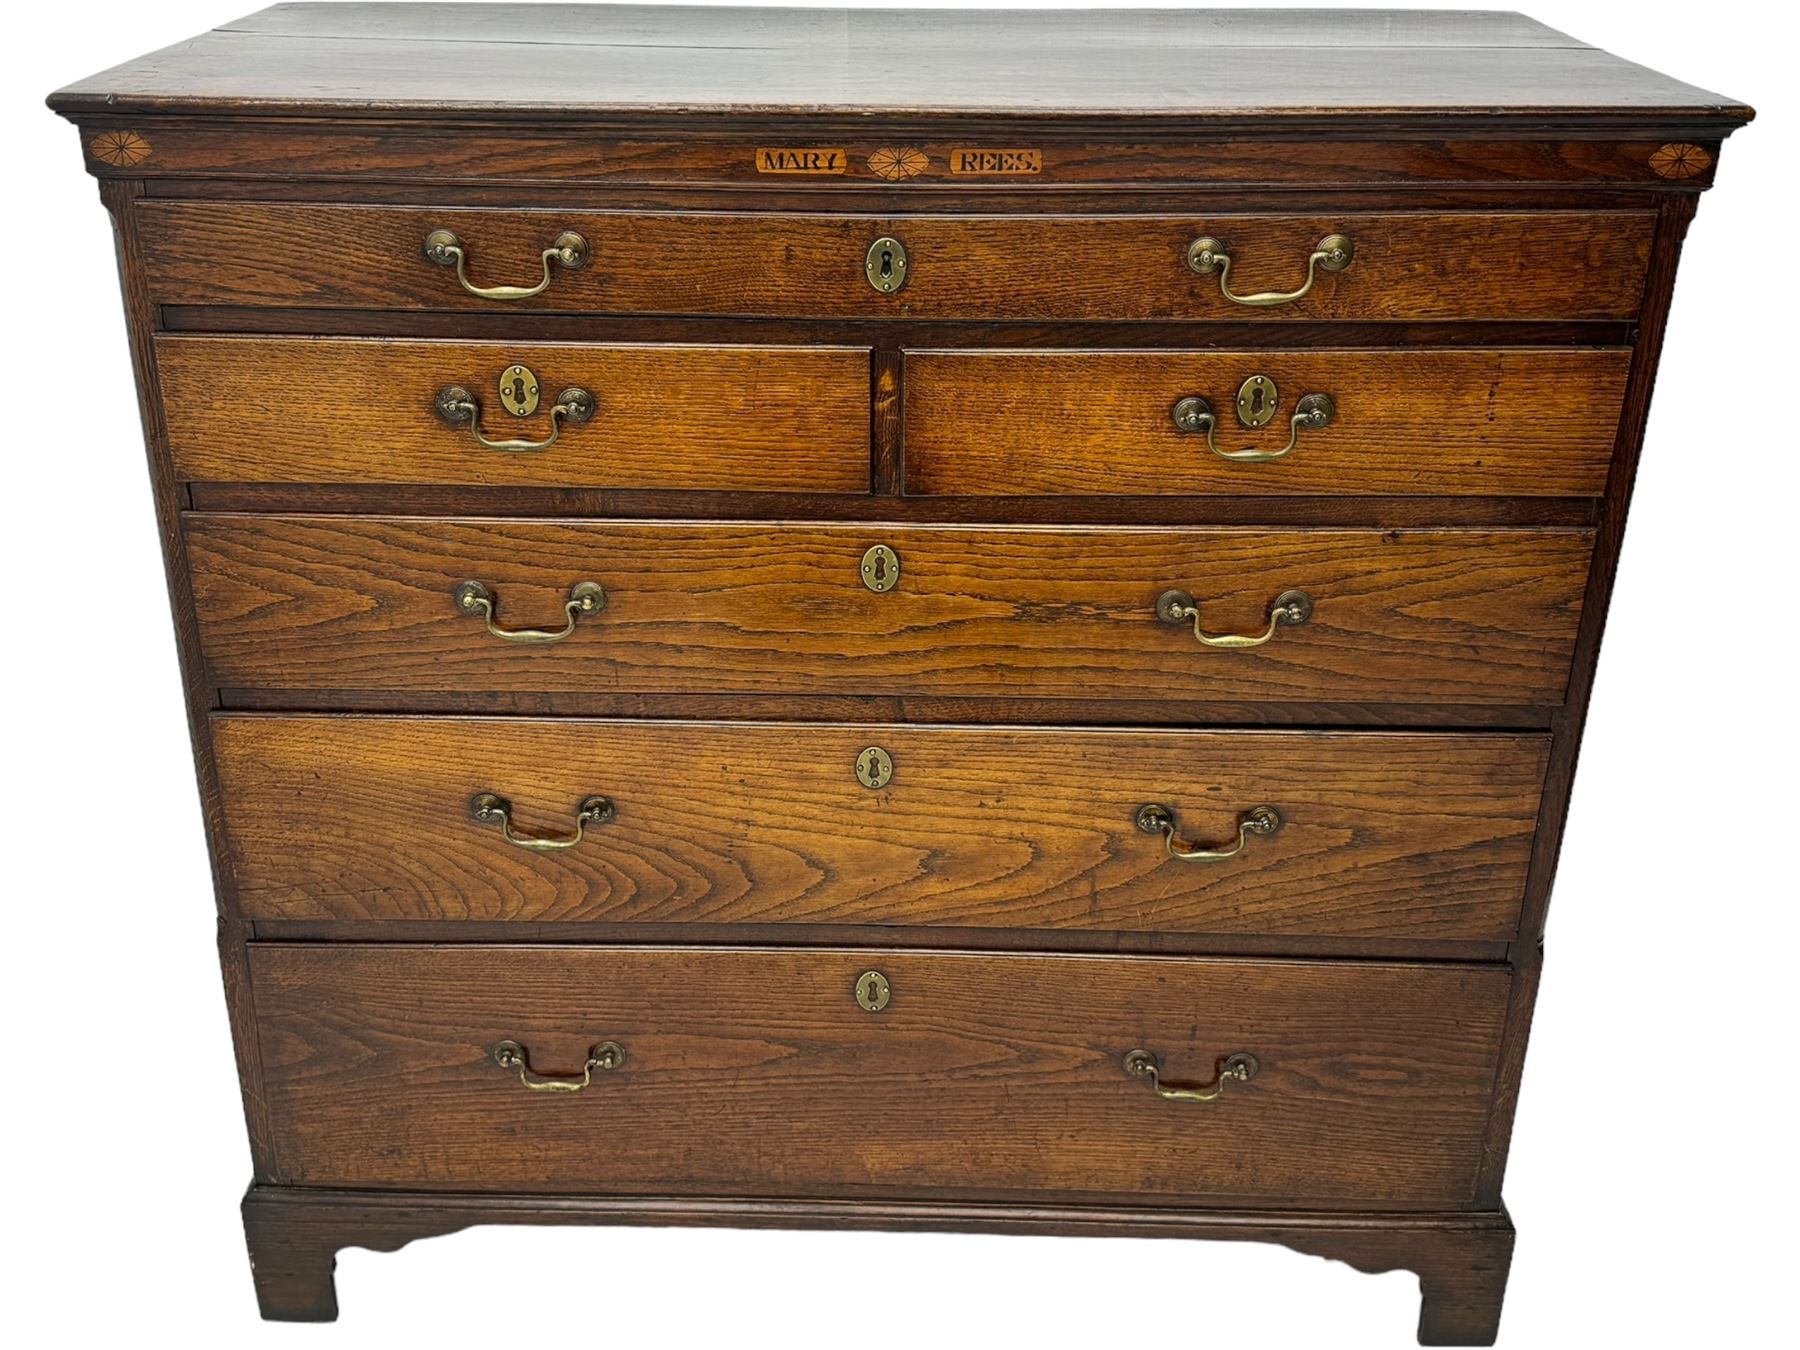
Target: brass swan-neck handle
568, 249
1239, 1067
459, 408
1180, 608
1155, 818
490, 808
585, 597
606, 1056
1314, 412
1206, 256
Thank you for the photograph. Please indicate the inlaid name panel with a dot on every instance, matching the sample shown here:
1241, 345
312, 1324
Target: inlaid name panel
527, 156
1455, 616
517, 414
1367, 834
1544, 265
1497, 422
721, 1072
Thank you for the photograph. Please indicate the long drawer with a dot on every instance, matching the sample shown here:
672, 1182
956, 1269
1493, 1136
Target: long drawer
1370, 834
1514, 422
517, 414
1403, 265
361, 603
734, 1072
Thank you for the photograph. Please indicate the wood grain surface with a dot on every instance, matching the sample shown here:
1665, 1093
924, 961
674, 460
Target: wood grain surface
756, 1073
362, 61
715, 418
1383, 834
1422, 265
1452, 616
1430, 422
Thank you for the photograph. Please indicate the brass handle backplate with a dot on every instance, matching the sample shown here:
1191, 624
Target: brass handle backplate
1240, 1067
606, 1056
1155, 818
458, 407
492, 809
1207, 255
1312, 413
568, 249
1180, 608
585, 597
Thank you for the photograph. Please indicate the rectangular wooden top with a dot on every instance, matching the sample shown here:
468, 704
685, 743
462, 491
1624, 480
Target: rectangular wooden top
566, 61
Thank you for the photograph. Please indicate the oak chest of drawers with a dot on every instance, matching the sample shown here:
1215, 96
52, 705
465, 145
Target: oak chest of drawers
970, 621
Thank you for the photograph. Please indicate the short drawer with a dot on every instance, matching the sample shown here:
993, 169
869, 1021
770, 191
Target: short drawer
1386, 616
1504, 422
1347, 834
513, 414
733, 1072
1411, 265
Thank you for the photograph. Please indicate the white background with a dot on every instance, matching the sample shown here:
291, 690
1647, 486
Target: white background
1651, 1176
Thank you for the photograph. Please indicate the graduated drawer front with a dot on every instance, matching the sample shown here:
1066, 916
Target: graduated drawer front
1413, 265
1381, 834
757, 1073
1505, 422
349, 410
361, 603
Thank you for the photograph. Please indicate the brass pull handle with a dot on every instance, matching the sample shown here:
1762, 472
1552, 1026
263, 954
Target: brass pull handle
446, 250
606, 1056
1207, 255
1240, 1067
492, 809
1312, 413
1159, 819
585, 597
1178, 607
458, 407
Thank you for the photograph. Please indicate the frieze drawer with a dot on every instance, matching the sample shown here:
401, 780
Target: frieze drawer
1349, 265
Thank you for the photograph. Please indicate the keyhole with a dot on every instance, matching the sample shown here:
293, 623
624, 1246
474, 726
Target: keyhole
518, 390
884, 264
880, 569
1257, 399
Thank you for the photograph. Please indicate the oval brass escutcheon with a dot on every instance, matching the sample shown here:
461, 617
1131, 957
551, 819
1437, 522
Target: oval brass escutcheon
872, 991
885, 264
1256, 399
519, 391
874, 767
881, 569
